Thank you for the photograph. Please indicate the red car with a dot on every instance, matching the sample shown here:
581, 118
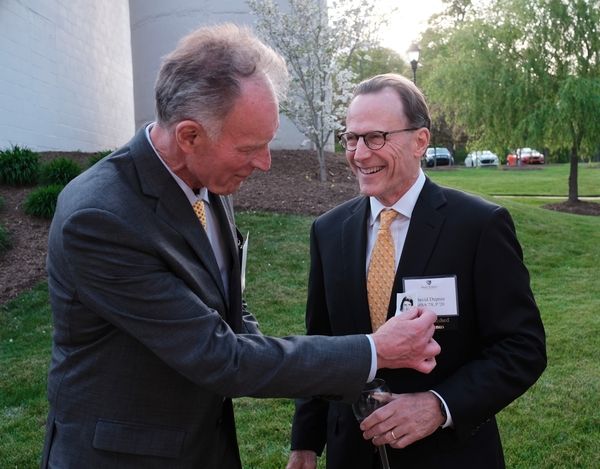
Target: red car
524, 156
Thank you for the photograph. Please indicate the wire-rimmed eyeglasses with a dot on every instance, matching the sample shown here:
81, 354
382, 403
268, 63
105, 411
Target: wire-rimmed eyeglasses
374, 140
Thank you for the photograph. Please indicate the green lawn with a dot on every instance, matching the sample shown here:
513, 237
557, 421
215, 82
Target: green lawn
555, 424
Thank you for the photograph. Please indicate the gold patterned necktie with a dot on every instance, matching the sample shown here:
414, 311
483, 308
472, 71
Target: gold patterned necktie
200, 213
380, 276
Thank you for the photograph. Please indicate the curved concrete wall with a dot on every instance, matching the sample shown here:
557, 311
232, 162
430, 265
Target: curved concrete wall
157, 26
65, 74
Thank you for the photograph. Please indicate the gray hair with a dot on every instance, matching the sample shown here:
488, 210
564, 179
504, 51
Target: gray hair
201, 78
413, 100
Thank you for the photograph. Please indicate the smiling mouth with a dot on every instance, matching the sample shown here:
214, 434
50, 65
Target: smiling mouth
368, 171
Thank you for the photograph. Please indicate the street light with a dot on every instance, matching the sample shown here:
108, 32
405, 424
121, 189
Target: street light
413, 57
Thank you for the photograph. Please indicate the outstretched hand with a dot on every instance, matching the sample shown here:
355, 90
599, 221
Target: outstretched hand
406, 341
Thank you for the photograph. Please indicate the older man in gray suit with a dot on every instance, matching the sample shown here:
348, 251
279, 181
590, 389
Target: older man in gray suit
151, 336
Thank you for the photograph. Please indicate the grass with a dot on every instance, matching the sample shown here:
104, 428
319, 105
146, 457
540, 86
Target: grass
556, 424
535, 180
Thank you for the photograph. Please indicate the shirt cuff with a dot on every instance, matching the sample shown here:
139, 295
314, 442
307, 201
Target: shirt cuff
373, 371
448, 421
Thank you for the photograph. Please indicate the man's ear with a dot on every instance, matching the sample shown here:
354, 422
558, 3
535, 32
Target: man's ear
189, 134
421, 142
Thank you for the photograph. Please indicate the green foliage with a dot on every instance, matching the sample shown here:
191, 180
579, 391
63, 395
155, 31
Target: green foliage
92, 160
516, 73
59, 171
377, 60
5, 241
549, 415
41, 202
19, 166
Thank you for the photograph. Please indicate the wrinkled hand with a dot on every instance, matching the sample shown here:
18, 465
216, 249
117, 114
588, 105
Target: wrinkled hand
405, 341
302, 459
410, 416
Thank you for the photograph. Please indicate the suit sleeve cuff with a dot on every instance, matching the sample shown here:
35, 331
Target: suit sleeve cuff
373, 371
448, 422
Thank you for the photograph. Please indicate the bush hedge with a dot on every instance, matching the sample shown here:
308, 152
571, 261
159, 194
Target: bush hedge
19, 166
92, 160
59, 171
41, 202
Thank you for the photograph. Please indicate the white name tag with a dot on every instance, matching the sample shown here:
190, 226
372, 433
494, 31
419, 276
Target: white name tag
438, 294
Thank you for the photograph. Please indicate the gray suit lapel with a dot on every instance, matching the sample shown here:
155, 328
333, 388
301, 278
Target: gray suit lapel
354, 258
172, 206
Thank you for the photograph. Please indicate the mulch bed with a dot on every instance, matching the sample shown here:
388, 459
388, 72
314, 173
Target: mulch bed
291, 186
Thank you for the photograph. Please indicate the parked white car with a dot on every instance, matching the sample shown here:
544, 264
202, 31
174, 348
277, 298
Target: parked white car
481, 158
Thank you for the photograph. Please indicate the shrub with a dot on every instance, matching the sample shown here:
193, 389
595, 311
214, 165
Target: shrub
19, 166
41, 202
1, 203
4, 239
92, 160
59, 171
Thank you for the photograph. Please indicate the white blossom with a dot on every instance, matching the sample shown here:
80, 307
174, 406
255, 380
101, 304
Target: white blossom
317, 43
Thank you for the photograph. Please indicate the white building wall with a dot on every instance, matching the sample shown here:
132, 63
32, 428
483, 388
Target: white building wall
157, 26
65, 74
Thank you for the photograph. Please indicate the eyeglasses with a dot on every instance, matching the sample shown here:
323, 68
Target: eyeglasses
374, 140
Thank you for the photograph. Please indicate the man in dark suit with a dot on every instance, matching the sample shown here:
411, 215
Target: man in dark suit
151, 336
492, 338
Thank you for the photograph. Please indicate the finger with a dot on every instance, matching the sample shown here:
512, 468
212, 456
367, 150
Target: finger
410, 313
388, 437
426, 315
379, 416
426, 366
403, 441
434, 348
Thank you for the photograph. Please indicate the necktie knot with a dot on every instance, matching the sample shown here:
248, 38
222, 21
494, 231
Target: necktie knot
386, 217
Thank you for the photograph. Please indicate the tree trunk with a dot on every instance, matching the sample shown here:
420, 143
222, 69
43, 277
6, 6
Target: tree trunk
322, 163
573, 189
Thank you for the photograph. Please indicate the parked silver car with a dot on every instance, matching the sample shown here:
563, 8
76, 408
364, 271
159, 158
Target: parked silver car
481, 158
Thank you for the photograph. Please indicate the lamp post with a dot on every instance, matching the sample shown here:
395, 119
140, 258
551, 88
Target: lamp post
413, 57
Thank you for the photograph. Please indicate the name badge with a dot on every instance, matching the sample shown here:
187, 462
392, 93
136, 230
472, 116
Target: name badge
439, 294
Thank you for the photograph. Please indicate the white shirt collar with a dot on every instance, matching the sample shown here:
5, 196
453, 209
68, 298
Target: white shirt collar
187, 190
405, 205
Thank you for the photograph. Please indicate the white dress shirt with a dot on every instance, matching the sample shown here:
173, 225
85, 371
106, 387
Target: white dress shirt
399, 230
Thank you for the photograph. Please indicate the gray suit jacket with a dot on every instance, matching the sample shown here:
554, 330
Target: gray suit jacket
147, 347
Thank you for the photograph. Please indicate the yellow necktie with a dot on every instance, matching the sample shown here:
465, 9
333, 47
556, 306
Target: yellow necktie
200, 213
380, 276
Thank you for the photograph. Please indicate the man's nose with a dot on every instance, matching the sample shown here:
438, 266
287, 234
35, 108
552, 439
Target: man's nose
362, 150
262, 160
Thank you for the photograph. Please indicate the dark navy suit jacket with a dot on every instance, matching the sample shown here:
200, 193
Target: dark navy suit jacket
491, 353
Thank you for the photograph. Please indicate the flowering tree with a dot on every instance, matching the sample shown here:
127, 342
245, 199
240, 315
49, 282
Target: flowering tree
317, 43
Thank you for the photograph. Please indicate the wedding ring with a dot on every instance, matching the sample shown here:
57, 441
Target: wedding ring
394, 436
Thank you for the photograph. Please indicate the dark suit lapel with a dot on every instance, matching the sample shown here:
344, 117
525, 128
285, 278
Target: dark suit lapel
423, 233
354, 255
172, 206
